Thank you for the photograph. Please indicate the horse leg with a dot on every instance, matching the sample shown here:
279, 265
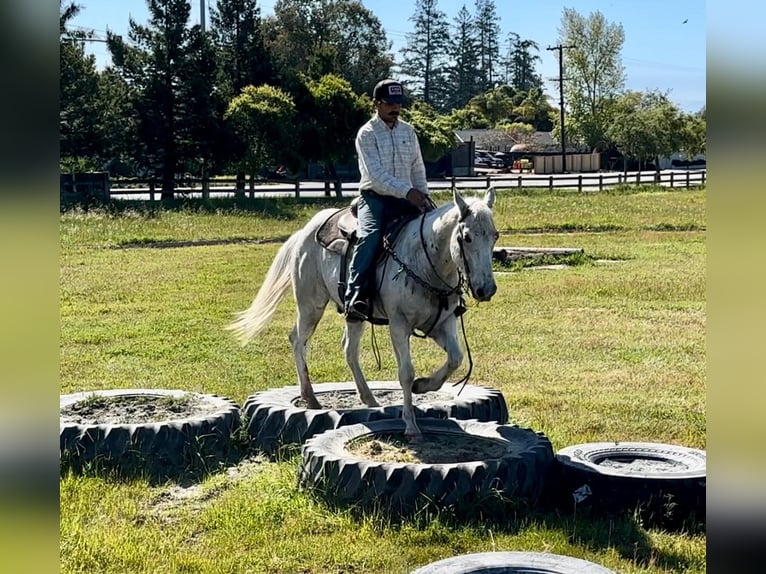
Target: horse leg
400, 338
445, 335
309, 314
352, 335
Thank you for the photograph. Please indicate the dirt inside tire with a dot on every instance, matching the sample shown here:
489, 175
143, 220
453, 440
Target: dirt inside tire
435, 448
133, 409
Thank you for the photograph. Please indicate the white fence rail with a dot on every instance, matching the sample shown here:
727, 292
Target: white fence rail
317, 188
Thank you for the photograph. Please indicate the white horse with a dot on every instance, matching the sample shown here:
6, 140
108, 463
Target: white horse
419, 287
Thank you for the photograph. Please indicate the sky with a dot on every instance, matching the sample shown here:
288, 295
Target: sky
664, 48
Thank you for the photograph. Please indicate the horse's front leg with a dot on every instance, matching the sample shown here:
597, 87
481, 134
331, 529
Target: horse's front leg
445, 335
352, 334
400, 338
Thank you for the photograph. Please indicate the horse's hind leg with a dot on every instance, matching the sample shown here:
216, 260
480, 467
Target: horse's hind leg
352, 335
445, 335
309, 313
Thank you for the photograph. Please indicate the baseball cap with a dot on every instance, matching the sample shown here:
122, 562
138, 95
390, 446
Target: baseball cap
389, 91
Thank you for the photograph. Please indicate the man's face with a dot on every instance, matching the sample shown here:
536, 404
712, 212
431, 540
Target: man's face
388, 112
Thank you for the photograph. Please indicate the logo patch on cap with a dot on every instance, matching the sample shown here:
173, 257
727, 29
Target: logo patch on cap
394, 90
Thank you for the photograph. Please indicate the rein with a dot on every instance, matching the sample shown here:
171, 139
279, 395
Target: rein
443, 294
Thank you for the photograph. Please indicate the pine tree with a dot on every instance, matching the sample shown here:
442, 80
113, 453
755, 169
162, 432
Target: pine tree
425, 54
489, 44
463, 73
243, 60
520, 63
154, 64
237, 34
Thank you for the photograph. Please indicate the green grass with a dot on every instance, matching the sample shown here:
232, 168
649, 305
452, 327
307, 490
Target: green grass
593, 352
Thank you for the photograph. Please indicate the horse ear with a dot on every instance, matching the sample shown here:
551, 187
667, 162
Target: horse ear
489, 197
460, 202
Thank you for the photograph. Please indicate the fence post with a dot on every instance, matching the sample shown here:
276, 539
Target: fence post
151, 190
672, 176
688, 177
205, 189
550, 183
489, 183
601, 182
519, 181
297, 188
704, 176
638, 177
453, 182
579, 183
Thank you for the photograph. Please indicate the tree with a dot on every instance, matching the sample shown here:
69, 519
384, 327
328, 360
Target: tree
463, 73
154, 64
520, 64
535, 109
334, 116
319, 37
468, 118
263, 116
200, 128
694, 134
424, 56
594, 74
496, 105
243, 60
80, 133
436, 134
488, 31
242, 55
646, 126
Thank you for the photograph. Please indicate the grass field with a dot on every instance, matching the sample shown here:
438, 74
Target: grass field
599, 351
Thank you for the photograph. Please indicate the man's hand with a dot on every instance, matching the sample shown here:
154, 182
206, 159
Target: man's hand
419, 200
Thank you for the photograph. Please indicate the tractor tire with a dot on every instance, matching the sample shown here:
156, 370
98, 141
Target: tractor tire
275, 419
518, 474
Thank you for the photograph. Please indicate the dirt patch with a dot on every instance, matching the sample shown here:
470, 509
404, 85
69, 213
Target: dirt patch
436, 448
197, 496
134, 409
339, 400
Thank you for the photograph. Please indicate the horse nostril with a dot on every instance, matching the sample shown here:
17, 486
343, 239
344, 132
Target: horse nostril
480, 293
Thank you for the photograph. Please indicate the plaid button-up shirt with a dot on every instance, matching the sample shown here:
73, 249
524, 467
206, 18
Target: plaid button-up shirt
390, 160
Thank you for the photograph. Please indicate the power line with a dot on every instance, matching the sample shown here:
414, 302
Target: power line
560, 48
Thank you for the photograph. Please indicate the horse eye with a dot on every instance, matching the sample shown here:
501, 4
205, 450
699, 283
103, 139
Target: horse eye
467, 238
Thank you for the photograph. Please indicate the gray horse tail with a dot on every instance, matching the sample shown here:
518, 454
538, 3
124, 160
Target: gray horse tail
254, 319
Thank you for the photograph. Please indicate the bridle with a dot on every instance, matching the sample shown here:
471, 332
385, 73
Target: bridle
442, 294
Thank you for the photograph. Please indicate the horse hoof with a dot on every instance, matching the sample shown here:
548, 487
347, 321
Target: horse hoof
414, 438
420, 385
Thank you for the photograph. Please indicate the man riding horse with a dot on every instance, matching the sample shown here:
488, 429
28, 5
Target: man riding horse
393, 183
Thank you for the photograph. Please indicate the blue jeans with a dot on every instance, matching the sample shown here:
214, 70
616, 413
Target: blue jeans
374, 213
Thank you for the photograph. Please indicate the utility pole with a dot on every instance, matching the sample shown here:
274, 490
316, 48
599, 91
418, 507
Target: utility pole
202, 14
561, 49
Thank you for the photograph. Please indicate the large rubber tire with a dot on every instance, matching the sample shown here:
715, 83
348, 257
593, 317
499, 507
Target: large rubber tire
274, 420
512, 563
155, 449
611, 476
339, 477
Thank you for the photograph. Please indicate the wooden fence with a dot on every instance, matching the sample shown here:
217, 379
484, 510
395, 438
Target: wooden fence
582, 182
